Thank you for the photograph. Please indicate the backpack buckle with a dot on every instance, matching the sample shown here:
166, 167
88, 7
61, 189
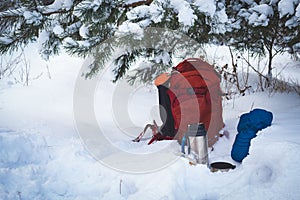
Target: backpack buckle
190, 91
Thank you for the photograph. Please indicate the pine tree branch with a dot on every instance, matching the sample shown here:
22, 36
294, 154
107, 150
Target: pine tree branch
62, 11
132, 5
12, 13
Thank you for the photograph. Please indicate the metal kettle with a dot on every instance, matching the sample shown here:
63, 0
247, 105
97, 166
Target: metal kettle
196, 138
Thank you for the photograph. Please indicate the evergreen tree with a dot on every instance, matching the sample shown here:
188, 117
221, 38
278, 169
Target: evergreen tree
264, 27
80, 26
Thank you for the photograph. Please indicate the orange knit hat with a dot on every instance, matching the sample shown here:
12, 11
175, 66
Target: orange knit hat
161, 79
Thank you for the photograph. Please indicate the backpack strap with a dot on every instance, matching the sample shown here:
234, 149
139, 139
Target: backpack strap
156, 135
185, 140
141, 135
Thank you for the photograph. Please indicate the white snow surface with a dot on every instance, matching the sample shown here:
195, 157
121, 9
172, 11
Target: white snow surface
185, 12
287, 7
259, 15
206, 6
59, 4
42, 156
33, 17
298, 11
58, 30
84, 31
130, 28
183, 9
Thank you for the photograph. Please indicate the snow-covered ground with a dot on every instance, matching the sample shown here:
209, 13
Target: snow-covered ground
42, 156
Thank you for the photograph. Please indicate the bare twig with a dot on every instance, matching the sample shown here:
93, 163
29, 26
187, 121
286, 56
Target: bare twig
120, 186
19, 195
48, 71
7, 67
253, 68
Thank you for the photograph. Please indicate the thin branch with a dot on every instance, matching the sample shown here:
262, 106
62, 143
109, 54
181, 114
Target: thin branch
234, 65
136, 4
55, 12
249, 64
277, 51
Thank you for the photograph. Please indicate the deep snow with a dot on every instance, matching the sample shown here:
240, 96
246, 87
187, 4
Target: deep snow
43, 157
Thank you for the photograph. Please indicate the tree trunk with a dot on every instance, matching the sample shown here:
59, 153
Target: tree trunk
269, 80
